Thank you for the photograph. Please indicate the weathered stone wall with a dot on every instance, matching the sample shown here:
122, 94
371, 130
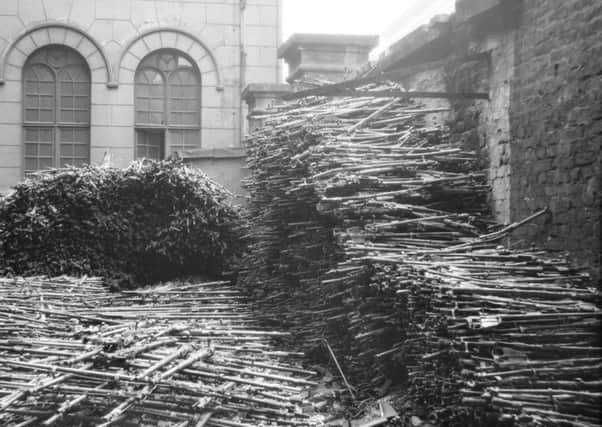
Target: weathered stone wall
467, 123
481, 125
556, 126
540, 133
495, 124
431, 80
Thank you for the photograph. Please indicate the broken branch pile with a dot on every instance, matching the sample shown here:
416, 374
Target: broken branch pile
182, 354
149, 222
372, 231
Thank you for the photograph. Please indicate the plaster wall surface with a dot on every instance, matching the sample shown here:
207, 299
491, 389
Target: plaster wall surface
227, 171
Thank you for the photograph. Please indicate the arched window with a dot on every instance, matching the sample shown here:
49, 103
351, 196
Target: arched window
56, 109
168, 105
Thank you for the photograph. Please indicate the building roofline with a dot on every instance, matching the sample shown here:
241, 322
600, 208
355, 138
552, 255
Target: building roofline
433, 41
298, 39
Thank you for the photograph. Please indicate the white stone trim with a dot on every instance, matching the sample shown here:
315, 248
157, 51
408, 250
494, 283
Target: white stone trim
18, 50
168, 38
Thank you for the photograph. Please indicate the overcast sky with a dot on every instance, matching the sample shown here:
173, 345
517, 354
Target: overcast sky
390, 19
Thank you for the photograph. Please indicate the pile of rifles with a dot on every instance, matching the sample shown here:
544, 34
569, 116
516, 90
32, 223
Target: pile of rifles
179, 354
372, 238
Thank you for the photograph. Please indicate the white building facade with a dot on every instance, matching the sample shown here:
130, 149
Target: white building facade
82, 81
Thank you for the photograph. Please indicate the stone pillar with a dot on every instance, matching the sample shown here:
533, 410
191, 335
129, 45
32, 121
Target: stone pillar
325, 56
260, 97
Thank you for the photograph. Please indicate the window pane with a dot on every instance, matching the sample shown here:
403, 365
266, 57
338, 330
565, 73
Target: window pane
66, 150
39, 87
31, 164
56, 75
150, 144
66, 101
74, 146
31, 150
168, 91
81, 151
39, 152
45, 150
184, 140
184, 98
46, 116
74, 86
66, 84
32, 115
45, 163
81, 116
155, 104
67, 116
81, 102
150, 95
47, 102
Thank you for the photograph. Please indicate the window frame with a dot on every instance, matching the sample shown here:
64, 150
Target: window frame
168, 128
55, 126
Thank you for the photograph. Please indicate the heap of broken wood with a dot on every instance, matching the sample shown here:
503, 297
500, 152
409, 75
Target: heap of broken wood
184, 354
372, 235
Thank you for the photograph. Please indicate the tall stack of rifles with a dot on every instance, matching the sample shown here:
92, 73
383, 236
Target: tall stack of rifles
371, 233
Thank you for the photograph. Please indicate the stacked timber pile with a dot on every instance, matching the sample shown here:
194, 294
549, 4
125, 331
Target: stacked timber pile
149, 222
373, 232
180, 354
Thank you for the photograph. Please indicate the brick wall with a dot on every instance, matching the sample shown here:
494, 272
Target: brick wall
556, 125
540, 133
